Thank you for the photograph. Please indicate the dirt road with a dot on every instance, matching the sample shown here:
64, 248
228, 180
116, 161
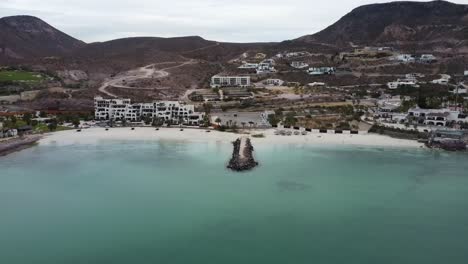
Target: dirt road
120, 81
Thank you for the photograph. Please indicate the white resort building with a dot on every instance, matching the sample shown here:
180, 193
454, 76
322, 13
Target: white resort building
219, 81
167, 111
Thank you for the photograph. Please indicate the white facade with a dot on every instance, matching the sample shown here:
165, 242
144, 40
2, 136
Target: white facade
427, 58
444, 80
219, 81
315, 84
466, 73
321, 70
122, 109
405, 58
437, 117
274, 82
296, 54
299, 64
249, 66
395, 85
265, 67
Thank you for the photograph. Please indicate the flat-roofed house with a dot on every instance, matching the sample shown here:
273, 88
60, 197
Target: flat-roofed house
219, 81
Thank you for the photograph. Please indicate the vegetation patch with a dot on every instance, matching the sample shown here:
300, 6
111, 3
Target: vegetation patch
258, 135
20, 76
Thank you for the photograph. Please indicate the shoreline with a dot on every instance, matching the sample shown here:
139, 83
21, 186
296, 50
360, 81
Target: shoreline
96, 135
17, 144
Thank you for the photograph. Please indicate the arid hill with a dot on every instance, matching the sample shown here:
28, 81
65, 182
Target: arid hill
25, 37
438, 24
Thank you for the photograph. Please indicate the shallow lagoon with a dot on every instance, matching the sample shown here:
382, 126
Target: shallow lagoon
167, 202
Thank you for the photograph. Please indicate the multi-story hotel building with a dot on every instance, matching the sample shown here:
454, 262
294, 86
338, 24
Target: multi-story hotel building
167, 111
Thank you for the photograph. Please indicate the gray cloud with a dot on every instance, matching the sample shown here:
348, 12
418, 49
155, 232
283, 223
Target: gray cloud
223, 20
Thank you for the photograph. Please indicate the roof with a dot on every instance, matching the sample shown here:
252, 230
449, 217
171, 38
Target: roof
439, 114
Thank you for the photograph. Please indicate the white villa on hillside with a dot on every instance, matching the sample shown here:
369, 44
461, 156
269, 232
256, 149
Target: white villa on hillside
122, 109
273, 82
444, 79
248, 65
219, 81
406, 58
299, 65
427, 58
321, 70
405, 82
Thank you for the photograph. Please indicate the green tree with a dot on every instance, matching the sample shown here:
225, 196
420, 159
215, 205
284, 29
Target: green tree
52, 125
27, 118
76, 122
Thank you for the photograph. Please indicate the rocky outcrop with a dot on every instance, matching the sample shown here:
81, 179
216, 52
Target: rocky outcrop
17, 144
242, 156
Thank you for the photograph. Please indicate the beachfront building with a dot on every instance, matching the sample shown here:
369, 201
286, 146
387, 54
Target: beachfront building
219, 81
168, 111
437, 117
321, 70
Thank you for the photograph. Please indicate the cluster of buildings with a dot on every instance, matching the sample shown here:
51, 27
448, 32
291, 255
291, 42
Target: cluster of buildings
292, 54
167, 111
412, 81
388, 110
409, 80
265, 66
408, 58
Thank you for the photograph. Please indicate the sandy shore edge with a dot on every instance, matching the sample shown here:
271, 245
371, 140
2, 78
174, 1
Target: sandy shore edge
96, 135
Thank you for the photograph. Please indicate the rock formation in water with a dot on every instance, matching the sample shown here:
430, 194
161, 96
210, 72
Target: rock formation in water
242, 156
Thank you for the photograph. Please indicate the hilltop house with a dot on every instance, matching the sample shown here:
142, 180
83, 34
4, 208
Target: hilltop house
168, 111
219, 81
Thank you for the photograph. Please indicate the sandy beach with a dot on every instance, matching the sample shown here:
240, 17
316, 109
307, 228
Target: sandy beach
95, 135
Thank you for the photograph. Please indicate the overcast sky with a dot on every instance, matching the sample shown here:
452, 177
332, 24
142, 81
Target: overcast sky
221, 20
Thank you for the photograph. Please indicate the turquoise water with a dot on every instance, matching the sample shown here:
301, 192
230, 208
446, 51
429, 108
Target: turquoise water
161, 202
